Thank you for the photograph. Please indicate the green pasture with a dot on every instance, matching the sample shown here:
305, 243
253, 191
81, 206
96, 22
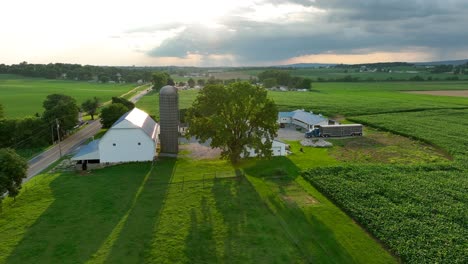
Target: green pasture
346, 99
178, 212
398, 73
21, 96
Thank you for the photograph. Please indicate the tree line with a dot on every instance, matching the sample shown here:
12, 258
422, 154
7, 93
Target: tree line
272, 78
78, 72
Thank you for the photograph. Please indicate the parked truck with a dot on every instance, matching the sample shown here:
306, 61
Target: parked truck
344, 130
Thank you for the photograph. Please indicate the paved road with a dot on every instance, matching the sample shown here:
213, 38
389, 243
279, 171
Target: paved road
138, 96
43, 160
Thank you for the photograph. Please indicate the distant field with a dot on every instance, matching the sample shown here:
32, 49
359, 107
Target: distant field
398, 73
462, 93
346, 98
150, 102
22, 96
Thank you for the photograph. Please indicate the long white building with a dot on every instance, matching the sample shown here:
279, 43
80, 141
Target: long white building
307, 120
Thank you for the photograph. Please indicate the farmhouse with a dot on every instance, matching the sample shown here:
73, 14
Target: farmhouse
131, 138
307, 120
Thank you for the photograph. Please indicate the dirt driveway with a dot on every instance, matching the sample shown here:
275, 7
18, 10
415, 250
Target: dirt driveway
458, 93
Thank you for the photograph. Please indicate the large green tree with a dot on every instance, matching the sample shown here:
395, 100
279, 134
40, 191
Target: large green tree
91, 106
112, 113
13, 169
191, 82
63, 108
159, 80
120, 100
234, 117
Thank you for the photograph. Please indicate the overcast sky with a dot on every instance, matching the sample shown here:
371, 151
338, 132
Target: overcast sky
232, 33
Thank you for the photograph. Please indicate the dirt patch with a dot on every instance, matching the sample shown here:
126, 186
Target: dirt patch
384, 147
198, 151
303, 200
457, 93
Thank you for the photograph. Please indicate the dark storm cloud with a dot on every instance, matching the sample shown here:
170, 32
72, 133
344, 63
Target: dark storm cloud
344, 27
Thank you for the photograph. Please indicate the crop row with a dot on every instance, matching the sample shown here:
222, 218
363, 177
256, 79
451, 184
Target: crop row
447, 128
419, 213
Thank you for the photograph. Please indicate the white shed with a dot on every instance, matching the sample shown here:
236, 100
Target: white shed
278, 148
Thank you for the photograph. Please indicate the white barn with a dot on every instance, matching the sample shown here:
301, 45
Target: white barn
131, 138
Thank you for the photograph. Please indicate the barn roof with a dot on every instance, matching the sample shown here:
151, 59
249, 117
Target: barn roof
308, 118
88, 152
285, 114
137, 118
303, 116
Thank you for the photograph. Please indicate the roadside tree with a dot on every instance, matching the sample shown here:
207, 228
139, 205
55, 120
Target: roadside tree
91, 106
112, 113
234, 117
120, 100
159, 80
13, 169
191, 82
62, 108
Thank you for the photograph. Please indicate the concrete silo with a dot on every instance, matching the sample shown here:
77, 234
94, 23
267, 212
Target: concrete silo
169, 119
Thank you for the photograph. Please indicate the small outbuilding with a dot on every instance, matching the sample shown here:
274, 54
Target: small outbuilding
278, 148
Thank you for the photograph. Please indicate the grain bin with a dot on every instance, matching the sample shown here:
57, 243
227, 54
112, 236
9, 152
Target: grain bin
169, 119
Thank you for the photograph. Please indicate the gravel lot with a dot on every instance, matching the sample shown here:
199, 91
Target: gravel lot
290, 133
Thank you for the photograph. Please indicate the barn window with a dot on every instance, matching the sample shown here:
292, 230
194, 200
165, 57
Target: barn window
113, 144
139, 143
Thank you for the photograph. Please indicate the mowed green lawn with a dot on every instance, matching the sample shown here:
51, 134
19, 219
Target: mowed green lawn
137, 213
21, 96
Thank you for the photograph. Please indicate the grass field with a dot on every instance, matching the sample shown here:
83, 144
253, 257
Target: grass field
398, 73
389, 200
348, 99
414, 201
168, 214
21, 96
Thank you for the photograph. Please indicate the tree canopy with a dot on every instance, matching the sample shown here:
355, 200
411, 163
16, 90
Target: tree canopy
112, 113
63, 108
91, 106
120, 100
234, 118
159, 80
191, 82
13, 169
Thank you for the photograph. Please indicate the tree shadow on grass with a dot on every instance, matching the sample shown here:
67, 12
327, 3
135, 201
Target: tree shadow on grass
134, 240
200, 244
253, 234
274, 168
84, 212
314, 239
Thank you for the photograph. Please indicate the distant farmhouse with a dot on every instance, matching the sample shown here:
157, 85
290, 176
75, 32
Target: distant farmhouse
131, 138
301, 118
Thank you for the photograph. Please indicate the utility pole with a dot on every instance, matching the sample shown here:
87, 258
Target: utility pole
58, 135
52, 130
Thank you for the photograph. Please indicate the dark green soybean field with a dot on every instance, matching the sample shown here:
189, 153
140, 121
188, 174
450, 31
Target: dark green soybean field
419, 212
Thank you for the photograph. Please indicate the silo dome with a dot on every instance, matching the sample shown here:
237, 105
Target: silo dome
168, 90
169, 119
